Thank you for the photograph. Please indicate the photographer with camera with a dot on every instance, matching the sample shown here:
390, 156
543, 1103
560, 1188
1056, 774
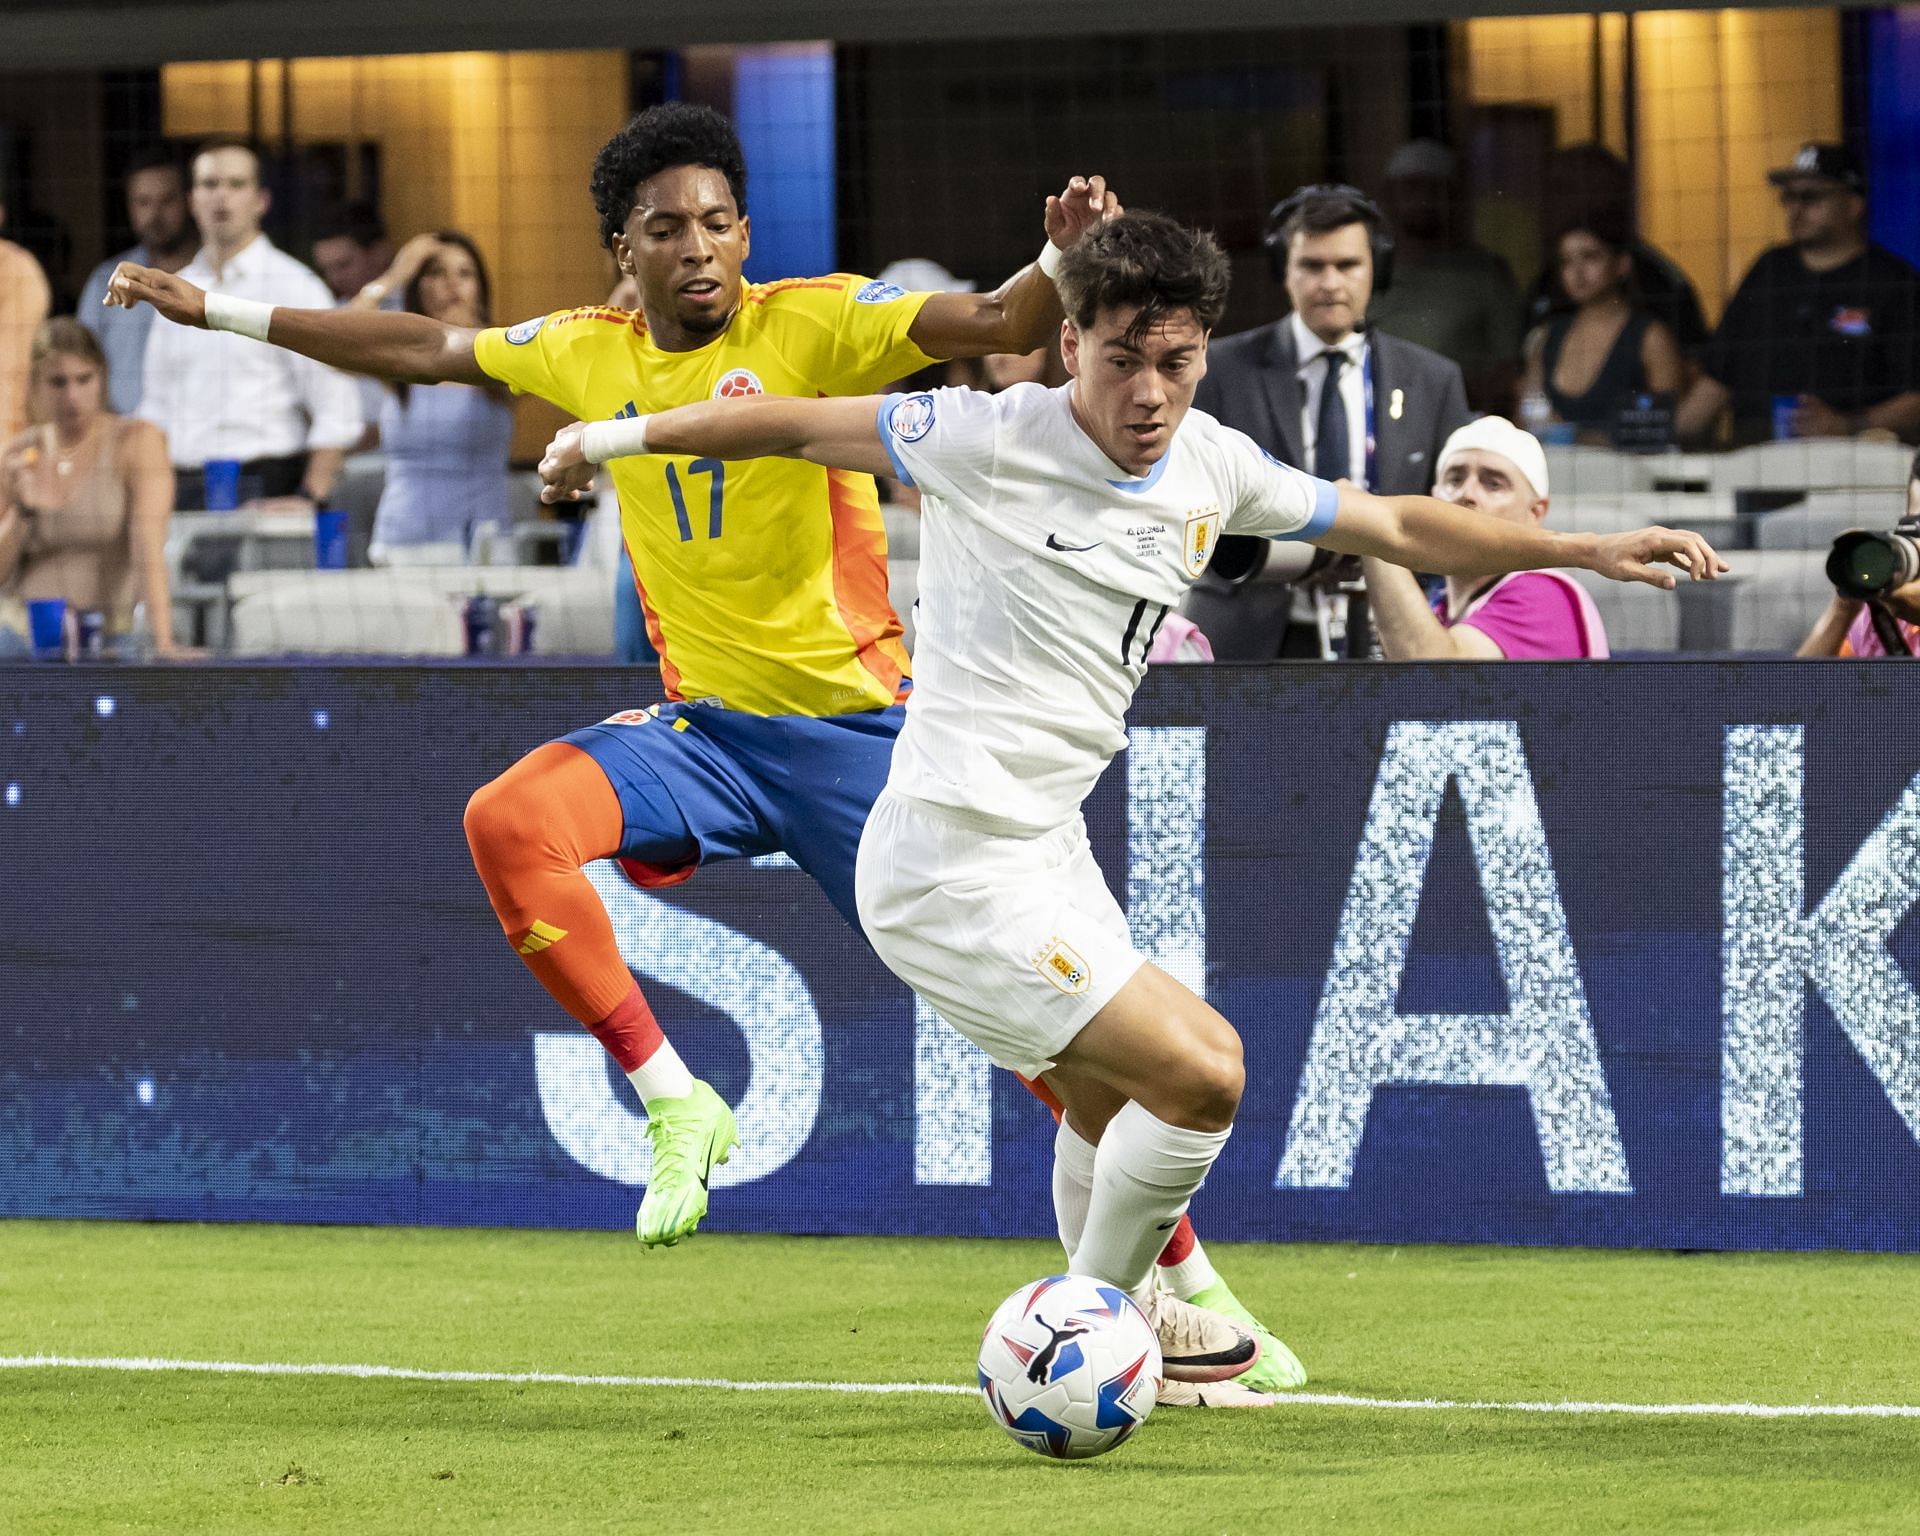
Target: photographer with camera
1875, 607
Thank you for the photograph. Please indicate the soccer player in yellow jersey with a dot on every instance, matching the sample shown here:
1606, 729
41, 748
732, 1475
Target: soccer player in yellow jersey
764, 582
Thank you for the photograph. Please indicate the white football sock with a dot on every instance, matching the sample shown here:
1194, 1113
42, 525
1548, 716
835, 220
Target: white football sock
1144, 1174
1073, 1158
1190, 1276
663, 1075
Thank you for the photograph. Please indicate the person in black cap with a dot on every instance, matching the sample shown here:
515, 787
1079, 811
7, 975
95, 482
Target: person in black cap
1822, 338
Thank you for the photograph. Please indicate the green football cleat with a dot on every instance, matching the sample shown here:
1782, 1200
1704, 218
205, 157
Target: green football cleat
689, 1136
1277, 1369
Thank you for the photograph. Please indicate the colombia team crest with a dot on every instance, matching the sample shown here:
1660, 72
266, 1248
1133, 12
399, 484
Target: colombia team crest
1203, 531
737, 383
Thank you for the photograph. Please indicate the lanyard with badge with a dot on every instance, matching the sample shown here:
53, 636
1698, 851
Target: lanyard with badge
1371, 475
1342, 612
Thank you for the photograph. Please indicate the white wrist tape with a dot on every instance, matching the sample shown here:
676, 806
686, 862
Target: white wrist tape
244, 317
605, 440
1050, 256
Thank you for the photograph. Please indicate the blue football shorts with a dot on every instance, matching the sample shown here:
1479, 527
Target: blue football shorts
697, 782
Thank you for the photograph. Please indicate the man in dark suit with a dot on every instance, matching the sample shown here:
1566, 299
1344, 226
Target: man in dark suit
1391, 407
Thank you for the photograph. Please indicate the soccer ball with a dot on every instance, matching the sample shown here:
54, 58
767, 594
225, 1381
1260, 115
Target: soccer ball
1069, 1366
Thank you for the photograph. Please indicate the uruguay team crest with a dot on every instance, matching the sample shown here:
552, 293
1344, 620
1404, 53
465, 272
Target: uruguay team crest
737, 384
1203, 532
1061, 964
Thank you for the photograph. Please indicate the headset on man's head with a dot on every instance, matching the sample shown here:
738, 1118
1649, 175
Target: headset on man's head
1365, 211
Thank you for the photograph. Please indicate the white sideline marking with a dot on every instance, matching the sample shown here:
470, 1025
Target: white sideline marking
408, 1373
945, 1389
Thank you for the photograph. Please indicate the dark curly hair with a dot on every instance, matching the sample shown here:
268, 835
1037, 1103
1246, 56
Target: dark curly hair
1149, 260
676, 133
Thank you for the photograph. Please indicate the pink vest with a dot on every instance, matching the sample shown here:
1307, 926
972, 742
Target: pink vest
1593, 633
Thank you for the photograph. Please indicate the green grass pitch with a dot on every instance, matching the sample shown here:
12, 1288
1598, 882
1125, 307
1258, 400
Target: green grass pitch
92, 1451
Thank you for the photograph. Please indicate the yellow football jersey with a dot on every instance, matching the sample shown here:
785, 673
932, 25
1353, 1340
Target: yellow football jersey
765, 580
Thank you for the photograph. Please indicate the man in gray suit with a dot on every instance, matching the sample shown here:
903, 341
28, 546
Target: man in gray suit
1382, 424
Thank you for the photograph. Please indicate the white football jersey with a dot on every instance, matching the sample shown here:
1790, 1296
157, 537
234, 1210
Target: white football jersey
1045, 571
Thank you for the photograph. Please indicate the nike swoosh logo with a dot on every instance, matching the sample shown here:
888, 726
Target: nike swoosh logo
1165, 1225
1071, 549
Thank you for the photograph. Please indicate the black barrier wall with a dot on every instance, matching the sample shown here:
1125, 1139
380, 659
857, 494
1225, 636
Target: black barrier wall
1534, 954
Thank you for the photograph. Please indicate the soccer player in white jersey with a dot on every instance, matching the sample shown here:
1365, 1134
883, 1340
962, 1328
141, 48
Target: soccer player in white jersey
1059, 528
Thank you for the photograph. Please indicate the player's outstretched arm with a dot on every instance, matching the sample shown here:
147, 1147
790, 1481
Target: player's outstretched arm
1023, 312
838, 433
387, 344
1426, 534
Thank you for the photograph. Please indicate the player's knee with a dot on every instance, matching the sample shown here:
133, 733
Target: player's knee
1223, 1081
497, 825
1213, 1077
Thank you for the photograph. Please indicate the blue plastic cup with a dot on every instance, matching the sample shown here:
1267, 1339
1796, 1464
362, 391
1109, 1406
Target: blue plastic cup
220, 484
1785, 409
47, 619
330, 540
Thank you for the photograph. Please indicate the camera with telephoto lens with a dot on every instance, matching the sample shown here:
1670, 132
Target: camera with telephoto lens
1866, 564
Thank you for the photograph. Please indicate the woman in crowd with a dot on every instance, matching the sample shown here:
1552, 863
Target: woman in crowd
1590, 361
85, 497
446, 444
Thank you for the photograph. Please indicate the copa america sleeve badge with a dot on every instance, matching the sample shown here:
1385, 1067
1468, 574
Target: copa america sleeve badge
911, 418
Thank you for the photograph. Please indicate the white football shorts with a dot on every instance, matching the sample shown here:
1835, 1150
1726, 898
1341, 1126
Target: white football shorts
1014, 940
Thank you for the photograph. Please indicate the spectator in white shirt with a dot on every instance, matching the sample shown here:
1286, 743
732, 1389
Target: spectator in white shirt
288, 420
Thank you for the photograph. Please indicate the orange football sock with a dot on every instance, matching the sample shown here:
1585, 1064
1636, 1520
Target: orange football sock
531, 830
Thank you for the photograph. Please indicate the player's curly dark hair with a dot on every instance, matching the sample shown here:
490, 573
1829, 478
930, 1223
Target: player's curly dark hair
676, 133
1149, 260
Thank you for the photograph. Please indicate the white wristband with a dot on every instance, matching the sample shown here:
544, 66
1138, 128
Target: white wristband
605, 440
1050, 257
244, 317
